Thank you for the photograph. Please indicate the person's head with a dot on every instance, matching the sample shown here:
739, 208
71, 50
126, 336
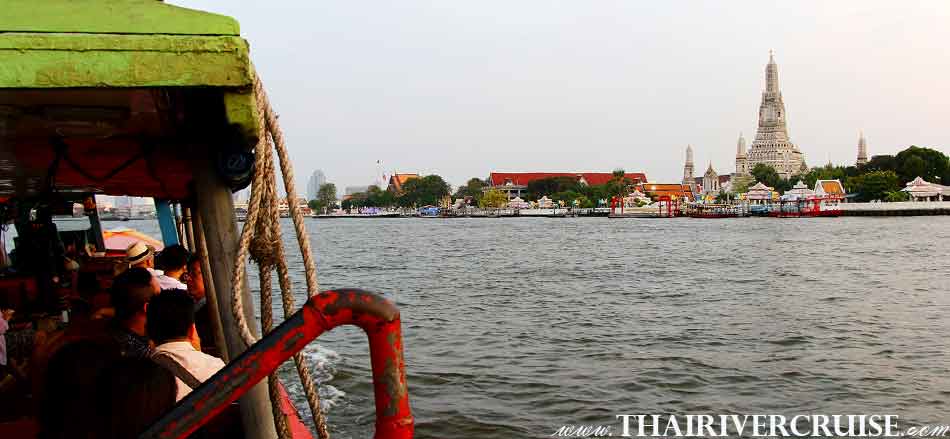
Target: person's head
140, 255
131, 292
173, 260
67, 401
171, 317
133, 394
195, 279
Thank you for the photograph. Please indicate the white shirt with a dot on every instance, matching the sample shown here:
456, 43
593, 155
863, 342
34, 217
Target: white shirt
170, 283
200, 364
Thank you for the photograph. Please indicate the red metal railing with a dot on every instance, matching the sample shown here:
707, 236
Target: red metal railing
377, 316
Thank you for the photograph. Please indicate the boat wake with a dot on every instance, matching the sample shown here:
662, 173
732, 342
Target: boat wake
322, 362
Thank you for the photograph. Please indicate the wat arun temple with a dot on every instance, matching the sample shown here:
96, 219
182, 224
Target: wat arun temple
771, 145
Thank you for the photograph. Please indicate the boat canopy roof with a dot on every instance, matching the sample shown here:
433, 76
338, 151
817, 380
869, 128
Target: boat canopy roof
118, 96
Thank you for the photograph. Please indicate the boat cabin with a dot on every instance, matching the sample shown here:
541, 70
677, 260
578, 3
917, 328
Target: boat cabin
133, 98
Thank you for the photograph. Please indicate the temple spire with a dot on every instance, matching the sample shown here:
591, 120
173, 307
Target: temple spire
862, 150
740, 146
771, 145
688, 169
771, 75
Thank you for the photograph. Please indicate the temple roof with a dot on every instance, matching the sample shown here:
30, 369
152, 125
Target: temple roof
759, 186
829, 187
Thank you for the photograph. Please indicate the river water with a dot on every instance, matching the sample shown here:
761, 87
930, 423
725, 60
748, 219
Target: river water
515, 327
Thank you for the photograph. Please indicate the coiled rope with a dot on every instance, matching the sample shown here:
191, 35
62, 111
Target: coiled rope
261, 238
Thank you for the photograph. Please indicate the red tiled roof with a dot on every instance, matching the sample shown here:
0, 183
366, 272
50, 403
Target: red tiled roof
592, 178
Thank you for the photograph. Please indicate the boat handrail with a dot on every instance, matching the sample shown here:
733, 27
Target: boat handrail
377, 316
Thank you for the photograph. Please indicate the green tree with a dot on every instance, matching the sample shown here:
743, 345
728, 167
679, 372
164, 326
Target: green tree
314, 205
927, 163
376, 197
882, 162
493, 199
326, 195
767, 175
473, 189
551, 185
741, 184
874, 185
428, 190
894, 196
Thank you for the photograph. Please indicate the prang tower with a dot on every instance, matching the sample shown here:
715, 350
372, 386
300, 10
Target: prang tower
688, 169
742, 161
772, 145
862, 150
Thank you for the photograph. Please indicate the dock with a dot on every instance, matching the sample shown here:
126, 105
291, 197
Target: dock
902, 208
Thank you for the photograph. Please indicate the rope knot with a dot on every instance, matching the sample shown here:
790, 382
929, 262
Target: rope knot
262, 251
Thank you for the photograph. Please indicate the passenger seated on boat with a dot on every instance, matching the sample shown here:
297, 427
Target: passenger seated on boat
141, 255
195, 279
131, 292
171, 324
6, 314
173, 262
132, 394
68, 398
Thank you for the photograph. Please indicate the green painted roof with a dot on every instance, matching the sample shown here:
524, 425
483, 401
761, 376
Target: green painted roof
111, 17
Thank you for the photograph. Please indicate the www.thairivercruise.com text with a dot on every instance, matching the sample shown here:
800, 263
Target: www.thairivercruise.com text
810, 425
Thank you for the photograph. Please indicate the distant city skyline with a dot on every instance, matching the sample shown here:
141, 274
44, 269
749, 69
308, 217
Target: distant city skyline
462, 89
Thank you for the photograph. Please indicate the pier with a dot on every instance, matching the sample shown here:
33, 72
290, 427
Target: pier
903, 208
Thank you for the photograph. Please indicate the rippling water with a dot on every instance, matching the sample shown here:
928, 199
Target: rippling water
514, 327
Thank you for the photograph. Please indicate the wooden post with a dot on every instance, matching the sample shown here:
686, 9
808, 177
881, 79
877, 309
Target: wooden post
201, 247
188, 221
216, 209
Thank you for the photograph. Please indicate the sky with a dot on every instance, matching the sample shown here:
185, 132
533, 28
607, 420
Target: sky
464, 88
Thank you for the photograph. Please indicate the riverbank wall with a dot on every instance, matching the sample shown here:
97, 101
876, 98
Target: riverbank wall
904, 208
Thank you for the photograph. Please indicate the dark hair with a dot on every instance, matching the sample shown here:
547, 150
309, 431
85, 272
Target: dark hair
171, 315
131, 290
133, 394
67, 404
173, 257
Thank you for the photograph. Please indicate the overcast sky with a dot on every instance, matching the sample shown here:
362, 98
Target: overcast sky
461, 88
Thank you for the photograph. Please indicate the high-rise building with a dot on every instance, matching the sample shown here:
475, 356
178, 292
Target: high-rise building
862, 150
688, 169
772, 145
742, 161
317, 179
